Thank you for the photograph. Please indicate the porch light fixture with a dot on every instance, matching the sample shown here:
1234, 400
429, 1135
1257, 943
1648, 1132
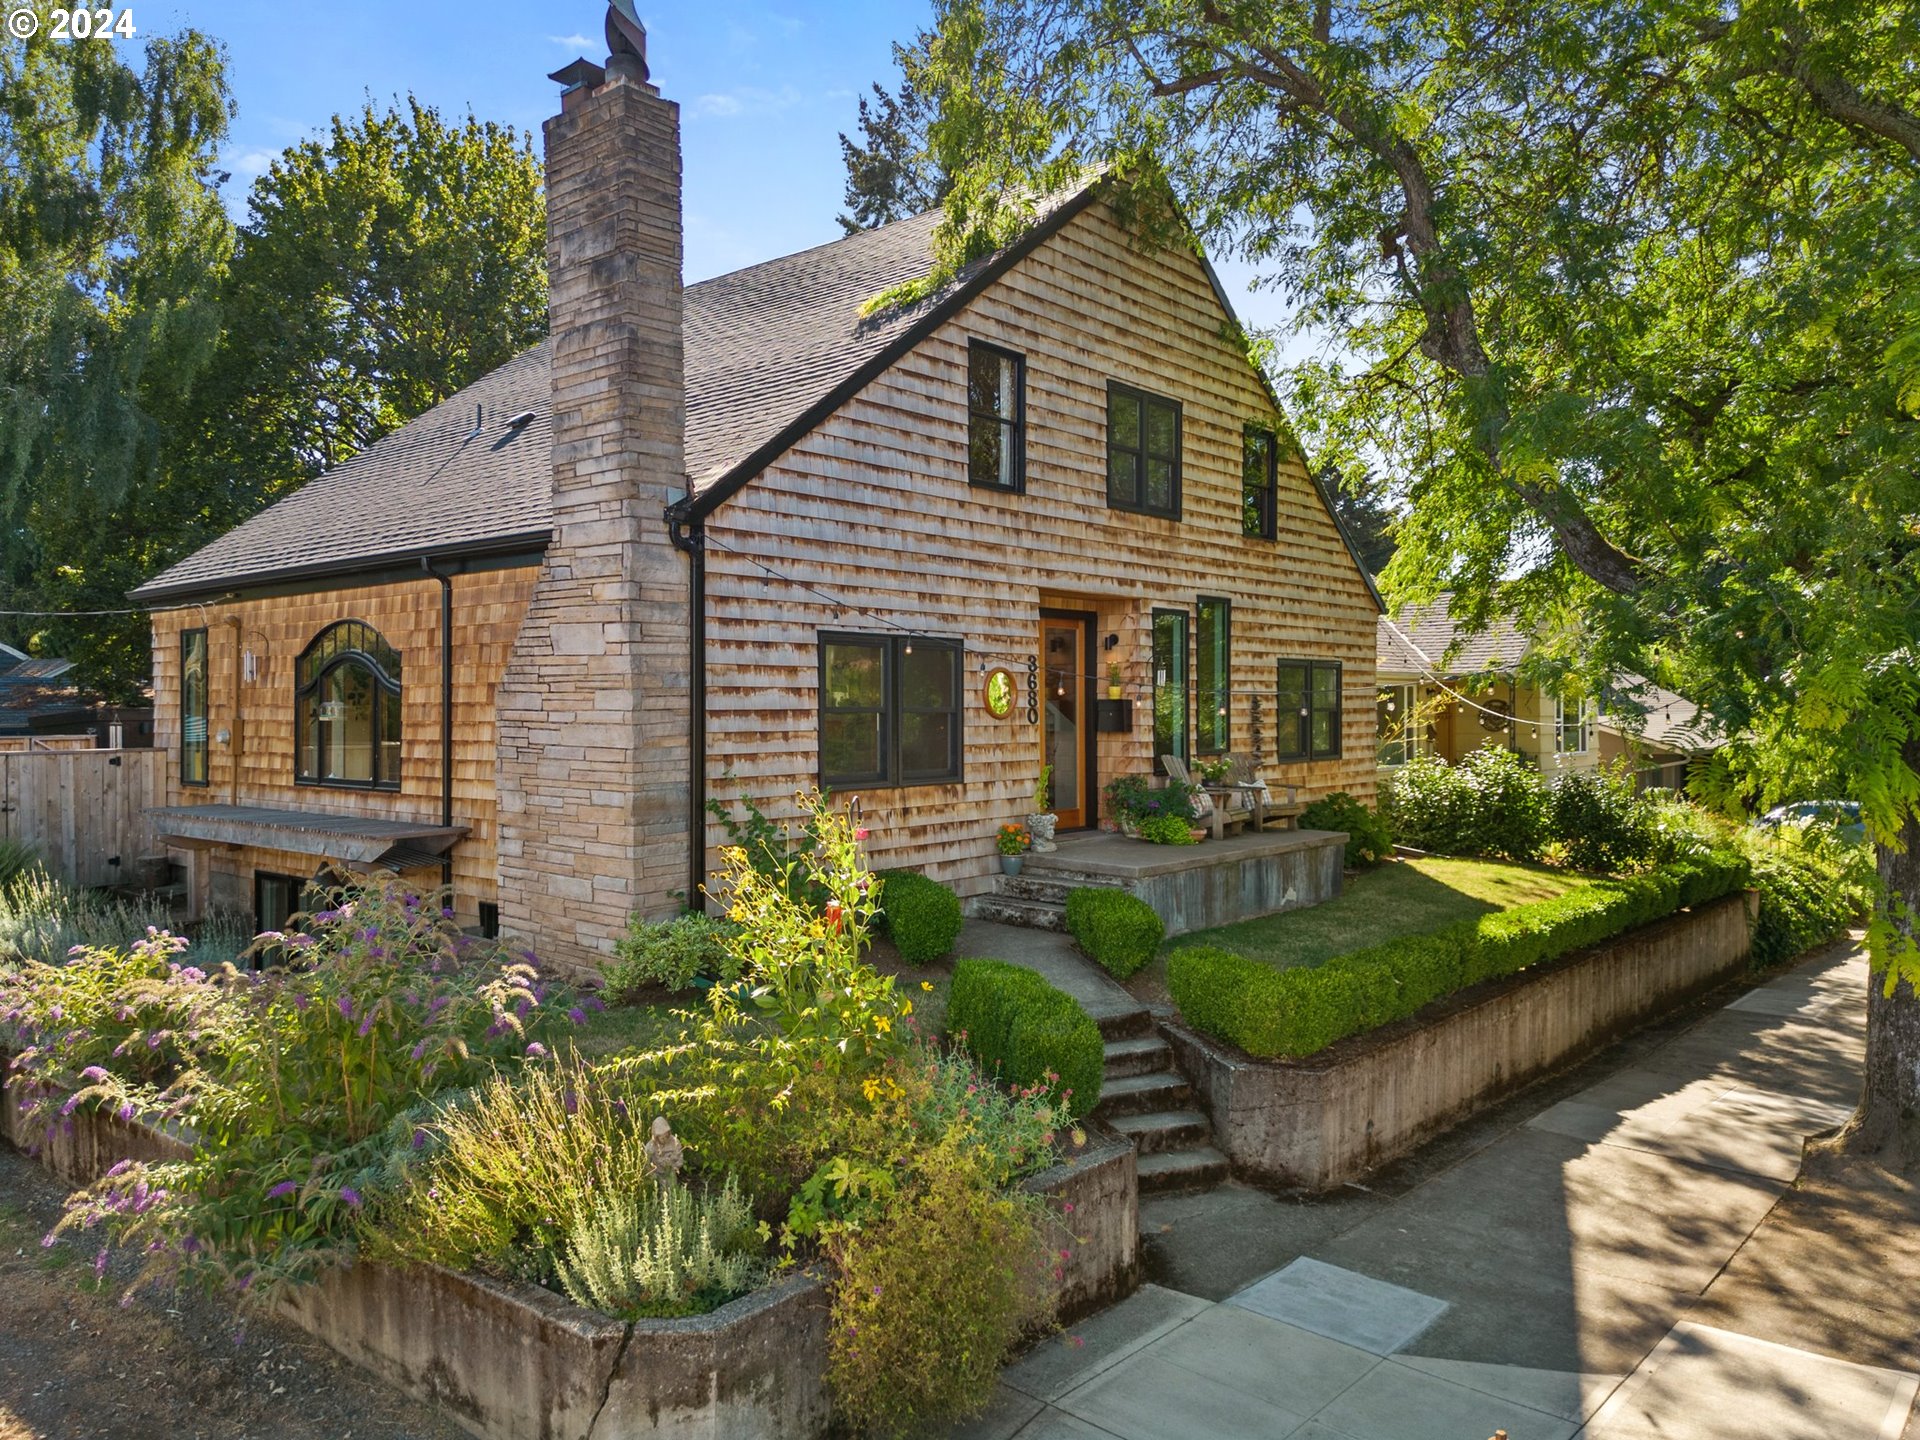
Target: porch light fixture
1112, 642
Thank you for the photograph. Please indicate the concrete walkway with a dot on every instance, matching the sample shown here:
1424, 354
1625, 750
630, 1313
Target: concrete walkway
1052, 955
1541, 1271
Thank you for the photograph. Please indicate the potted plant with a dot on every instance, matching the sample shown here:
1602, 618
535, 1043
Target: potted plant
1040, 824
1113, 680
1132, 798
1013, 843
1214, 769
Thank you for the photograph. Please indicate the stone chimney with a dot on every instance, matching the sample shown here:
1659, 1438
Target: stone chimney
592, 742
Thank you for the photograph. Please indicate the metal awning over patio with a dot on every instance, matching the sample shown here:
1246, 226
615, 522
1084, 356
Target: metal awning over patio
357, 840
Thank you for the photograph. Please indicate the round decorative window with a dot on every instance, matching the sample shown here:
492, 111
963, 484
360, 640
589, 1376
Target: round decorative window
999, 693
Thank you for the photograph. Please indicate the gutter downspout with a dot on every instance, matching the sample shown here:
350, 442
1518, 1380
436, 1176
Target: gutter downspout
446, 716
690, 537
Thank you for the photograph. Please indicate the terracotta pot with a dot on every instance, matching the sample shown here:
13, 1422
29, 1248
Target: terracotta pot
1197, 833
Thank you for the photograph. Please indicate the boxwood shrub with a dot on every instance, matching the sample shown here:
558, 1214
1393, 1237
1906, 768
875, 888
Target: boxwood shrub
1270, 1013
922, 916
1115, 927
1021, 1028
1369, 841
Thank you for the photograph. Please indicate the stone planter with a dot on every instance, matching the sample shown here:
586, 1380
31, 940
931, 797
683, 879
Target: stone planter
1319, 1122
1041, 827
1010, 864
516, 1362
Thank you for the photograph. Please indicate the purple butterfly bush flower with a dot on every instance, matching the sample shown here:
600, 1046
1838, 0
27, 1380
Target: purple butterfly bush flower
351, 1196
419, 1050
126, 1111
577, 1015
366, 1025
419, 1139
346, 1007
537, 1050
94, 1072
284, 1188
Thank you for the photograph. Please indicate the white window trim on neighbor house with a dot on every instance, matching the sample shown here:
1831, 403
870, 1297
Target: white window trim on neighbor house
1585, 713
1401, 739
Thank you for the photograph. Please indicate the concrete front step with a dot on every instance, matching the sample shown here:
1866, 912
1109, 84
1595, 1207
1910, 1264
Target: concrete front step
1164, 1130
1142, 1094
1126, 1025
1141, 1055
1052, 870
1015, 910
1033, 887
1180, 1170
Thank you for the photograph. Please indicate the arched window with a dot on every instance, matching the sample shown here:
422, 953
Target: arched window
346, 706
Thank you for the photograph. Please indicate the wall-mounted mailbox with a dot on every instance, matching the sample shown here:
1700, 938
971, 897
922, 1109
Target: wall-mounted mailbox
1115, 717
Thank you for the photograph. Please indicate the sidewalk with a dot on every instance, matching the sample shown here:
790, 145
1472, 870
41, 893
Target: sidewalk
1579, 1265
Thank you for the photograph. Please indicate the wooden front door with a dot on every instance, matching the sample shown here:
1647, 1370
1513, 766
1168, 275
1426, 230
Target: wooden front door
1066, 711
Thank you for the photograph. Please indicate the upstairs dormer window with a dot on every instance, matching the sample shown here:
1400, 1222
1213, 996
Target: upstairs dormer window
996, 418
1143, 452
1260, 485
347, 709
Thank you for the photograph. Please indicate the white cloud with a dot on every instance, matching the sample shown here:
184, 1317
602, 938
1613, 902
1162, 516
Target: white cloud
748, 100
571, 42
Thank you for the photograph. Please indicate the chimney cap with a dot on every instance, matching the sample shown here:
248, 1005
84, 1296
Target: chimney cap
626, 38
578, 74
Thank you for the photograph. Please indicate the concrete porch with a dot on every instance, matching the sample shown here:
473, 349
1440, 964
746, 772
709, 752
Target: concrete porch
1191, 887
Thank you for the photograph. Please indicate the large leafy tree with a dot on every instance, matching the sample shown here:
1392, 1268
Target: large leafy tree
380, 269
112, 244
1631, 295
890, 172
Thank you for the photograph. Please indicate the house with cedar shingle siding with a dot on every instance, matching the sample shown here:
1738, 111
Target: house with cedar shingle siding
740, 538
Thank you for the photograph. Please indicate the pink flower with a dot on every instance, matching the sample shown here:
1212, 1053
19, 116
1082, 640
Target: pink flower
862, 833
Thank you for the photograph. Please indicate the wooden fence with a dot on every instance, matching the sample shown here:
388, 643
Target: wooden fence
83, 810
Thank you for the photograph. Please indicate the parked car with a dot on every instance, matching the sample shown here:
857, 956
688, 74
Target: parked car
1840, 816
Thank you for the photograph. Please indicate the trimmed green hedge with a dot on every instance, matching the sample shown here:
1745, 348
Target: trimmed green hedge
1369, 839
1269, 1012
922, 916
1115, 927
1023, 1029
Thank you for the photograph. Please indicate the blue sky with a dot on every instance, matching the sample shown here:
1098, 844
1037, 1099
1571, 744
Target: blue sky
764, 90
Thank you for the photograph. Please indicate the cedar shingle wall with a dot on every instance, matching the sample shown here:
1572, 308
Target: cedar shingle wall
875, 502
487, 608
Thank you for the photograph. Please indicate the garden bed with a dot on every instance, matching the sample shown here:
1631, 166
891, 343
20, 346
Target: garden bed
517, 1362
1317, 1122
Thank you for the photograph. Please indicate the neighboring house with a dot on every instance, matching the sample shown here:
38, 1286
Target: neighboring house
1658, 735
38, 696
738, 539
1446, 691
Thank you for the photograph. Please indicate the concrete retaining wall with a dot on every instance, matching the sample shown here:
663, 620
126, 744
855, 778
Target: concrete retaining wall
516, 1362
1221, 894
1318, 1122
1103, 1190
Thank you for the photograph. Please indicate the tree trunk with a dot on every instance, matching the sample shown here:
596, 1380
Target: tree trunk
1890, 1101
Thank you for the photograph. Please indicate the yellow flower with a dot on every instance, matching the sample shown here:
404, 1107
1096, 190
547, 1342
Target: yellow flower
927, 985
882, 1024
906, 1007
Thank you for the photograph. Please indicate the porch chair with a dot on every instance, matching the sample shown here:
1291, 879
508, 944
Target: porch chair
1219, 806
1244, 776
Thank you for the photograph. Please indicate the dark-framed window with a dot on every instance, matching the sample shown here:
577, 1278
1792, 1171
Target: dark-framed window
1143, 451
193, 707
1307, 710
276, 898
1213, 671
996, 418
346, 707
890, 710
1260, 485
1170, 726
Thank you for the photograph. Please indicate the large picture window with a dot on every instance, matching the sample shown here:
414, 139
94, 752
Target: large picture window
996, 418
193, 707
1260, 485
1170, 735
1307, 712
889, 711
1213, 664
1143, 452
347, 709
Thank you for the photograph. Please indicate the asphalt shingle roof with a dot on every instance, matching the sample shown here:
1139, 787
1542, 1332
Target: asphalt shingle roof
763, 345
1434, 633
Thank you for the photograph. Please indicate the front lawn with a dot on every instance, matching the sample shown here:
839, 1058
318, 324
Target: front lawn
1401, 897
